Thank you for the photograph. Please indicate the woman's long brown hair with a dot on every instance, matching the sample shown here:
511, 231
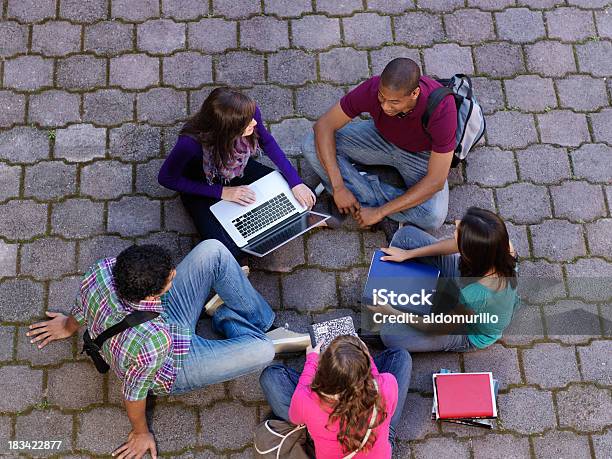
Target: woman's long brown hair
345, 371
221, 120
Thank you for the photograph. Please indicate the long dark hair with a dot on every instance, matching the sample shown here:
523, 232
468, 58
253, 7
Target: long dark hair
345, 371
484, 245
221, 120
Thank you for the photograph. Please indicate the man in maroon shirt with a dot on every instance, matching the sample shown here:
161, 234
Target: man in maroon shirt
394, 136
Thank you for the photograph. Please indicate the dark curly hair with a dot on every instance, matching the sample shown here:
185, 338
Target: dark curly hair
345, 371
141, 271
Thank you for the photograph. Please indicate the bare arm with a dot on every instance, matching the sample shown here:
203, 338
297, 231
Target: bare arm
140, 440
444, 247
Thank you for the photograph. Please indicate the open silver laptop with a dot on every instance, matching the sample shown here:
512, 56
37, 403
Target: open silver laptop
274, 219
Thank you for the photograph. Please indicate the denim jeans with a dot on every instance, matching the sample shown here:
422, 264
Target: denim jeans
360, 142
406, 337
243, 319
279, 382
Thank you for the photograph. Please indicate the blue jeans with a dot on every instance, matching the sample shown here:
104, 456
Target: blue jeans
279, 382
406, 337
243, 319
360, 142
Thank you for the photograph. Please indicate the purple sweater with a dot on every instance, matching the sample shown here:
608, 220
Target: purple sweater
182, 170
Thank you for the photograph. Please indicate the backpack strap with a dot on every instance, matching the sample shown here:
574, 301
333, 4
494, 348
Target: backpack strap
131, 320
434, 99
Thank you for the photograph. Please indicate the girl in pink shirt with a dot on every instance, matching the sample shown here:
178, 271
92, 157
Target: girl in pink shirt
335, 396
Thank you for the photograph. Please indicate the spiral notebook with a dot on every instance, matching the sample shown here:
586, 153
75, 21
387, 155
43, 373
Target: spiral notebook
326, 332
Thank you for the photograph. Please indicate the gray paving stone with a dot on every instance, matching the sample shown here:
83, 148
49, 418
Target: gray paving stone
30, 10
23, 219
381, 57
215, 422
490, 4
588, 3
264, 34
464, 196
343, 65
108, 38
54, 108
527, 326
562, 444
240, 68
543, 164
184, 10
339, 7
134, 71
469, 27
530, 93
523, 203
83, 10
98, 247
283, 8
161, 36
77, 218
541, 281
582, 92
501, 446
604, 23
444, 60
130, 11
511, 129
589, 278
62, 295
135, 142
367, 30
570, 24
100, 441
268, 284
19, 396
51, 354
499, 59
13, 38
393, 6
199, 397
97, 177
196, 99
517, 413
418, 29
50, 180
291, 67
66, 38
133, 216
108, 107
350, 286
538, 4
290, 133
177, 218
571, 408
173, 101
601, 123
520, 25
234, 9
315, 99
48, 258
502, 361
323, 296
541, 364
212, 35
14, 108
518, 237
489, 93
81, 72
320, 249
424, 364
566, 196
8, 259
28, 73
146, 179
557, 240
491, 166
596, 361
83, 379
80, 143
273, 102
48, 425
598, 235
22, 300
563, 127
187, 70
247, 388
7, 335
434, 447
174, 427
602, 444
416, 420
9, 181
328, 32
550, 58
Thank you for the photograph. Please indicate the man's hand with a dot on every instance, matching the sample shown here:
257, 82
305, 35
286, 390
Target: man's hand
137, 446
242, 195
59, 327
304, 195
368, 216
346, 201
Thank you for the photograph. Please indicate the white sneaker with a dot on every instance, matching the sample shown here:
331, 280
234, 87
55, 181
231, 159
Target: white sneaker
213, 304
286, 340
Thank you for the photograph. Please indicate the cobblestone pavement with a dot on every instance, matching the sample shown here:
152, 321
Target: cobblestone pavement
92, 93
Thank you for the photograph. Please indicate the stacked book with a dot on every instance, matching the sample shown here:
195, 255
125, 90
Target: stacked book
465, 398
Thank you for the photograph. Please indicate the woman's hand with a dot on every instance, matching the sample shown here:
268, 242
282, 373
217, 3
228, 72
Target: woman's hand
395, 254
316, 349
242, 195
304, 195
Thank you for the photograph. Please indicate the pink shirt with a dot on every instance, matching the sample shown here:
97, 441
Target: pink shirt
306, 409
407, 133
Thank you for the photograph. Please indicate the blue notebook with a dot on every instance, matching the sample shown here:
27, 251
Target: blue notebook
410, 284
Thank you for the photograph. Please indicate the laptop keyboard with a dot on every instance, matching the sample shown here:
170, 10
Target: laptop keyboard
263, 215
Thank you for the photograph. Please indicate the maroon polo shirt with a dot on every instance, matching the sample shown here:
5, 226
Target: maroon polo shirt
407, 133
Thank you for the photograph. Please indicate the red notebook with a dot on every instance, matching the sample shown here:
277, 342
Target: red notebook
464, 395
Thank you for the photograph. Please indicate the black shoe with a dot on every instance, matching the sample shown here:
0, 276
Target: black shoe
370, 338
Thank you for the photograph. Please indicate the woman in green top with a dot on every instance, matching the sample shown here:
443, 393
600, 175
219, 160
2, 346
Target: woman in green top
480, 263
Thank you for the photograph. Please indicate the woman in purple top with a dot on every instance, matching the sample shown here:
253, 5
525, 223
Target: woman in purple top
213, 160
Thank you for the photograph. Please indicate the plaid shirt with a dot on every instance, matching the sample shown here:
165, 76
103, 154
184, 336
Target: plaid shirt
145, 357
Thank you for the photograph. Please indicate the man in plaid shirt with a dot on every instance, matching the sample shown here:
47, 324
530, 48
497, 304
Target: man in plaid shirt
164, 355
